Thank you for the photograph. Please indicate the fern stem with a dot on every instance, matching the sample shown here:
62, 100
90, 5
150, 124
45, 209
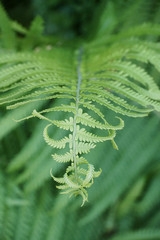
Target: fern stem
79, 79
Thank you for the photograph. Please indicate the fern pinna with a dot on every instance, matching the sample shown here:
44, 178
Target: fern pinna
104, 73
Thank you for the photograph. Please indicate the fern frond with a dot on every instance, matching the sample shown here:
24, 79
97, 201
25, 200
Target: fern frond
85, 136
63, 158
56, 144
87, 120
90, 106
59, 180
83, 147
109, 72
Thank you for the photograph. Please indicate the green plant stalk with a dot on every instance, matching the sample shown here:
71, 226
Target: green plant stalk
79, 79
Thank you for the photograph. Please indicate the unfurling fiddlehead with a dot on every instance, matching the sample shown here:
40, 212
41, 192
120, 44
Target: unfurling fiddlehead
80, 174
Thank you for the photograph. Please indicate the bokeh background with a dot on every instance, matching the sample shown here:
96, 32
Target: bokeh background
124, 202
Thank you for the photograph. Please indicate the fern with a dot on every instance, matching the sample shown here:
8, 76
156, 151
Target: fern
124, 200
109, 73
55, 208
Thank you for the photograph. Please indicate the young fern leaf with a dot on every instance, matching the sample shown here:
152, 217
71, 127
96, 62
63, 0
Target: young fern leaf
105, 73
55, 144
79, 140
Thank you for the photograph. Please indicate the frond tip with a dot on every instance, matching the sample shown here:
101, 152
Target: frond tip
76, 185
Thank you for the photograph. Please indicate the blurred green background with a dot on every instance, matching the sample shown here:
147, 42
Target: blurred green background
65, 18
124, 202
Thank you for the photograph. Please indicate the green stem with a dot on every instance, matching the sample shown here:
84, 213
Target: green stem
76, 112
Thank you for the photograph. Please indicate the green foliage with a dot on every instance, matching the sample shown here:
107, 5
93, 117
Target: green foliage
106, 74
66, 19
122, 200
7, 35
78, 90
